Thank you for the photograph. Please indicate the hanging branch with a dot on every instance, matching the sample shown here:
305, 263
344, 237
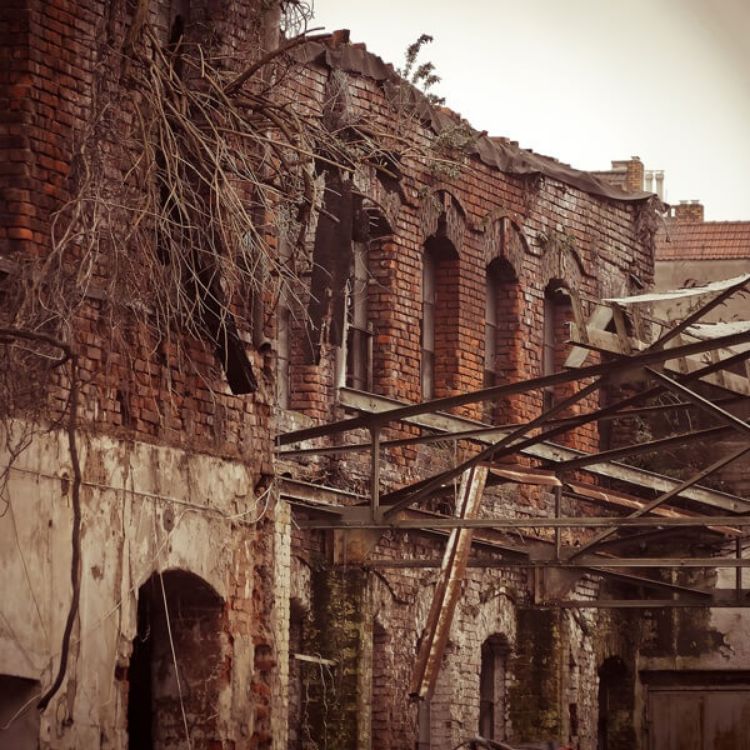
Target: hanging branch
69, 357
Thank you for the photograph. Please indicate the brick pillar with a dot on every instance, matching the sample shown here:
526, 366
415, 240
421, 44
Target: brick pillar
634, 175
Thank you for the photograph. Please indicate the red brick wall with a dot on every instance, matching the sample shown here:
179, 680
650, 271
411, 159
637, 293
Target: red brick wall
56, 58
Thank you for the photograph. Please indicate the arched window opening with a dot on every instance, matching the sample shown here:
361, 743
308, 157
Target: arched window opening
283, 329
359, 328
439, 316
557, 316
500, 330
177, 661
492, 688
19, 729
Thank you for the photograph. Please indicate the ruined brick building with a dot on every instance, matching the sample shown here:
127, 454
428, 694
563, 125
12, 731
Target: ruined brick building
230, 520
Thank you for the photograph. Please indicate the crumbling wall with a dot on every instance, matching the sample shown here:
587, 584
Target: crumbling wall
146, 509
542, 231
176, 470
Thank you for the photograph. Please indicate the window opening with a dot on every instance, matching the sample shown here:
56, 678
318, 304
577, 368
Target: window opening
492, 692
428, 327
283, 333
556, 305
359, 328
490, 340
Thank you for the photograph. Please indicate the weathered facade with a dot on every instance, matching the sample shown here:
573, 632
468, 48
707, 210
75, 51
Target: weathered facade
215, 610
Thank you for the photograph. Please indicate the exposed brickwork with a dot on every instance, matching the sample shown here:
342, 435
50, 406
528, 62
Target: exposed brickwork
540, 229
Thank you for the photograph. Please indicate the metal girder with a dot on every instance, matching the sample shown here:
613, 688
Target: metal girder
323, 450
487, 394
702, 403
633, 450
413, 493
592, 562
734, 422
410, 494
359, 518
715, 603
632, 475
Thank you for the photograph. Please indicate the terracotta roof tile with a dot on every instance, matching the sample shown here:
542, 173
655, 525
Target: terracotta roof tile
710, 240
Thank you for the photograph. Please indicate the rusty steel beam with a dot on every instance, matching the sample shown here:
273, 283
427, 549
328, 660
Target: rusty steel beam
640, 604
410, 494
634, 361
583, 522
554, 452
486, 431
447, 590
702, 403
735, 422
635, 516
684, 438
592, 562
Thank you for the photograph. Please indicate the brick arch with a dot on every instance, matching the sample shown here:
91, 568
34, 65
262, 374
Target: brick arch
178, 613
381, 206
561, 261
441, 215
504, 238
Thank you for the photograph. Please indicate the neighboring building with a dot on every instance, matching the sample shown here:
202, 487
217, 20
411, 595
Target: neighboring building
631, 176
216, 609
690, 250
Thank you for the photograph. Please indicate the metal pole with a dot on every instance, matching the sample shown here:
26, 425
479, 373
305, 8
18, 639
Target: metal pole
377, 515
738, 570
558, 499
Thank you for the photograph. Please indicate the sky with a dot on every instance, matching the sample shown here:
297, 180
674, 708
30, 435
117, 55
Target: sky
589, 81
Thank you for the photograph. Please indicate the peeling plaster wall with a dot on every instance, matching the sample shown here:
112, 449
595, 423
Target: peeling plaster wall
145, 509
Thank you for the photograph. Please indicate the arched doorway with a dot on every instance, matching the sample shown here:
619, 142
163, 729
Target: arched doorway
177, 669
492, 688
616, 700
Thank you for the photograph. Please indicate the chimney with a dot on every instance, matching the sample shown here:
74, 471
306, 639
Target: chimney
634, 176
648, 183
689, 212
660, 188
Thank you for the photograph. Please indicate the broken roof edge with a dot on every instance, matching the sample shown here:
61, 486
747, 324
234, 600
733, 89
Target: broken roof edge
712, 287
490, 151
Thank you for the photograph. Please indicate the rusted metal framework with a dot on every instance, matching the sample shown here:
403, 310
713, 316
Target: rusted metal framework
648, 354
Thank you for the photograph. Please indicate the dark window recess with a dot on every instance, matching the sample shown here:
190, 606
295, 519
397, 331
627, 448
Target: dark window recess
492, 688
555, 334
548, 347
19, 729
359, 328
428, 327
230, 350
490, 342
332, 259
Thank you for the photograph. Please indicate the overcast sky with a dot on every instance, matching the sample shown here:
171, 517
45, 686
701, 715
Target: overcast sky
588, 81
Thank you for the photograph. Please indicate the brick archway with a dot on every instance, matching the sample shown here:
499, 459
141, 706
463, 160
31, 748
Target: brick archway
178, 666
